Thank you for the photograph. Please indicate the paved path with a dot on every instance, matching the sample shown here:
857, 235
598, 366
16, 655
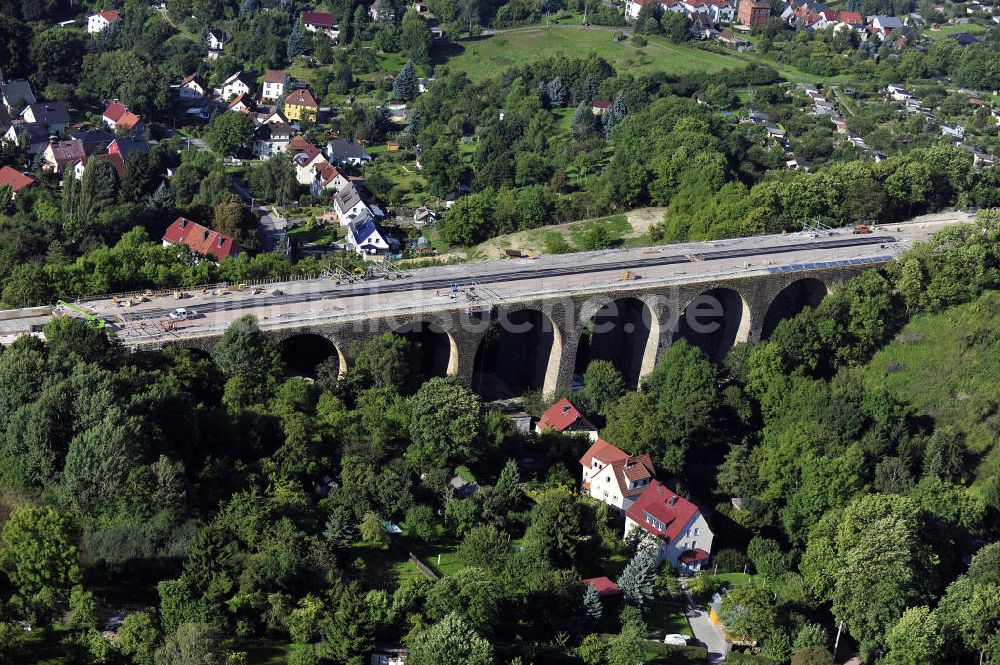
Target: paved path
708, 634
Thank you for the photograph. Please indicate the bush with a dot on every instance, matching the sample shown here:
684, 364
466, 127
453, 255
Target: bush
703, 586
730, 561
639, 40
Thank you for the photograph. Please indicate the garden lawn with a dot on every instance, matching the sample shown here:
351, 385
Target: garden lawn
485, 58
448, 549
665, 618
972, 28
264, 652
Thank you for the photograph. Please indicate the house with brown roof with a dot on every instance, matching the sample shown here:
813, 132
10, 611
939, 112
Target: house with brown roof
60, 154
613, 476
14, 179
673, 525
201, 240
564, 417
193, 87
275, 81
321, 22
301, 105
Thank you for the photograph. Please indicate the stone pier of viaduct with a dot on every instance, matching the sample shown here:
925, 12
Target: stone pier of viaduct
539, 343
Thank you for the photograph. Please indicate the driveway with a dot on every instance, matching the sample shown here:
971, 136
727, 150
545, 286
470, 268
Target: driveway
707, 633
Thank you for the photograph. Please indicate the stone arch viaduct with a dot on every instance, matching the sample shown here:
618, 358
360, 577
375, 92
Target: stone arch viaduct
539, 342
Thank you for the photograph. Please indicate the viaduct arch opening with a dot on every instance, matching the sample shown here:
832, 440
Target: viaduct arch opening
515, 355
304, 352
433, 351
714, 321
802, 293
620, 332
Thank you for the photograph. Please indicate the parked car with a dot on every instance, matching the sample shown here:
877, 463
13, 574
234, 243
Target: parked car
182, 313
676, 639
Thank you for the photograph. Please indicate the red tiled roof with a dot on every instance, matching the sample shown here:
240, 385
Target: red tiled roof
306, 155
602, 585
691, 556
604, 452
301, 97
199, 81
119, 114
201, 239
562, 415
323, 19
110, 15
671, 510
328, 172
112, 158
600, 104
851, 18
828, 14
15, 179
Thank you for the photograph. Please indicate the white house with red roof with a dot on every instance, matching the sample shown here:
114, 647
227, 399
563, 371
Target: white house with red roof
117, 116
102, 20
674, 525
320, 22
564, 417
201, 240
613, 476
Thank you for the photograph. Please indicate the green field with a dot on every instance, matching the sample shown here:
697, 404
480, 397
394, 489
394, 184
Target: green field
973, 28
946, 365
485, 58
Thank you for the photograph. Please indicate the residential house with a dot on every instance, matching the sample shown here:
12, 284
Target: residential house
35, 137
349, 205
754, 13
798, 163
733, 41
327, 177
613, 476
238, 84
126, 145
94, 140
389, 656
275, 81
321, 22
674, 525
718, 11
51, 115
702, 27
14, 179
193, 87
423, 216
216, 42
16, 95
366, 237
964, 38
957, 131
274, 116
201, 240
423, 85
102, 20
306, 160
564, 417
271, 138
301, 105
633, 7
242, 103
600, 106
884, 25
114, 159
343, 152
60, 154
374, 9
898, 92
117, 116
852, 19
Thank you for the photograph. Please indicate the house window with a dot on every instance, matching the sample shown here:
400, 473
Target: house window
696, 531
